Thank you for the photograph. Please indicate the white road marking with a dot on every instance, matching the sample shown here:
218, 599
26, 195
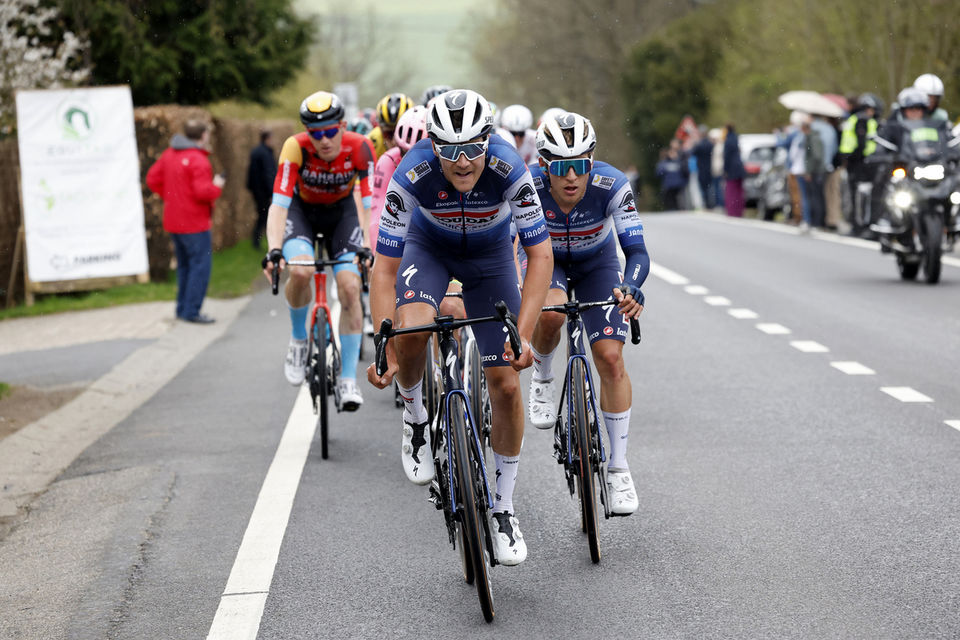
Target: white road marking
743, 314
809, 346
696, 290
853, 368
245, 595
773, 329
906, 394
953, 423
717, 301
670, 277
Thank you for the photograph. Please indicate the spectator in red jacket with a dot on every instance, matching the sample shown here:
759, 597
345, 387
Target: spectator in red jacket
184, 179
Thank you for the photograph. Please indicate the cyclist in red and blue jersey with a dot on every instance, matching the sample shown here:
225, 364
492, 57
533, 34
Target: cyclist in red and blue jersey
584, 201
447, 213
313, 193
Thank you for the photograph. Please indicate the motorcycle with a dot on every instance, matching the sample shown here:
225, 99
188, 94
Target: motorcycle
921, 199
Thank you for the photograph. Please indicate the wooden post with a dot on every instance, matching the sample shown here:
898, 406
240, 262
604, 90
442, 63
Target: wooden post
13, 267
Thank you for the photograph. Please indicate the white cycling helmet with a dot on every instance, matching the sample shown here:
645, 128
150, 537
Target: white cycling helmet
551, 143
929, 84
516, 118
458, 116
552, 112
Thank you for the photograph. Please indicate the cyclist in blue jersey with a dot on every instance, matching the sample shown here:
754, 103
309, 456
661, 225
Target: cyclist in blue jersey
447, 213
584, 201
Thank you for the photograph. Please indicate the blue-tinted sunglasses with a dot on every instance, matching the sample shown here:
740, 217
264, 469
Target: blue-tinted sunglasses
580, 166
326, 132
472, 150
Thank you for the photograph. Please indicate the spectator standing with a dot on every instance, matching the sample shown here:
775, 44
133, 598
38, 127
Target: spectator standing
184, 179
716, 167
260, 175
797, 166
733, 173
833, 182
816, 168
672, 171
703, 154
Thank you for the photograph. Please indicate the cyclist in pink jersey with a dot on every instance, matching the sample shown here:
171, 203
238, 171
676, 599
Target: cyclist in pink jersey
411, 128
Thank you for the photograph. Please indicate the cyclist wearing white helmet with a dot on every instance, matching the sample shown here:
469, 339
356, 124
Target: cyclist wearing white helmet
515, 127
552, 112
447, 213
932, 86
584, 201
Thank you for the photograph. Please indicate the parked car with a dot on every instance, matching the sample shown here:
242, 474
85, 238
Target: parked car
774, 194
755, 150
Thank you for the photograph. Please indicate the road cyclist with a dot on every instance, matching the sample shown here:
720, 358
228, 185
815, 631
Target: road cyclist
313, 193
389, 110
586, 203
447, 213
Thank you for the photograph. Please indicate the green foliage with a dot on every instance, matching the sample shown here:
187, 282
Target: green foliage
236, 272
4, 390
192, 52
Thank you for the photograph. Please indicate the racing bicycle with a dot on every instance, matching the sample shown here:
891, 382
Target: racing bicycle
460, 488
578, 445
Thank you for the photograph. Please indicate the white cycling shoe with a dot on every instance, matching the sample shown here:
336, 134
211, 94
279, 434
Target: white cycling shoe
543, 411
508, 544
350, 397
415, 451
295, 364
621, 493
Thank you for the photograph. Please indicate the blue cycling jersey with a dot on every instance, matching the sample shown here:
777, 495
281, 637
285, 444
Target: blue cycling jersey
419, 196
607, 203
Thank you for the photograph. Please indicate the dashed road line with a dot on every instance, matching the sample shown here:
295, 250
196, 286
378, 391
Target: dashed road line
953, 423
809, 346
852, 368
717, 301
743, 314
696, 290
906, 394
773, 329
668, 276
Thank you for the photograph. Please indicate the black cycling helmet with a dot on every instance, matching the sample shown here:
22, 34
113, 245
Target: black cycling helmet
321, 108
433, 92
359, 125
390, 108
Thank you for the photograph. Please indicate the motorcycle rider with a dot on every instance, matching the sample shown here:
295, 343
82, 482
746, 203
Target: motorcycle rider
932, 86
856, 144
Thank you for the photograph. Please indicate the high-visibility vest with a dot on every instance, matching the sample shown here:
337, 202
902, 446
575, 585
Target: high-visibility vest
848, 137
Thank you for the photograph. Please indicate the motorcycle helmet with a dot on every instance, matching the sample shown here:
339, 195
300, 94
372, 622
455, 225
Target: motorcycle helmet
912, 98
929, 84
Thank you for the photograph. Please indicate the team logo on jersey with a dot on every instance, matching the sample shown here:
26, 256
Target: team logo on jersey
500, 167
409, 294
394, 204
604, 182
418, 171
627, 203
608, 331
550, 214
442, 195
537, 182
526, 197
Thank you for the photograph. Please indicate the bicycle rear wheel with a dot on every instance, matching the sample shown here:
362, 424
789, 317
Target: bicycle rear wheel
476, 386
583, 449
319, 383
470, 499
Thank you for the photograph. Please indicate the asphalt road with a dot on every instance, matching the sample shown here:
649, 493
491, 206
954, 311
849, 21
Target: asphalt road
783, 493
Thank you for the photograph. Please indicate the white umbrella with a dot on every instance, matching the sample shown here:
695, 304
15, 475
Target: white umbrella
811, 102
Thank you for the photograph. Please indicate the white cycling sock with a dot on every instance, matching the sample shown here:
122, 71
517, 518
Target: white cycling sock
413, 401
618, 427
506, 481
542, 365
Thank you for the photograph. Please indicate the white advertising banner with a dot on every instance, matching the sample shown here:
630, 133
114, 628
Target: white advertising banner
80, 176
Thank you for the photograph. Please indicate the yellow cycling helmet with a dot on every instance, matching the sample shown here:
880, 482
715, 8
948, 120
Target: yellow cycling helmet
390, 108
321, 108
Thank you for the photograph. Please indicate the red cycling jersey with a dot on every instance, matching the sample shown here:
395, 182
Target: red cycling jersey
316, 181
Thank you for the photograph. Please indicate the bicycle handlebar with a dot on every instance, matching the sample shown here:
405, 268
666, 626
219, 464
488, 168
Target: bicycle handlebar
573, 308
441, 323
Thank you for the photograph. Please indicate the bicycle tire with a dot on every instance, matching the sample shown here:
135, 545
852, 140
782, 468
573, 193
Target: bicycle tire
467, 476
319, 363
476, 386
584, 450
431, 392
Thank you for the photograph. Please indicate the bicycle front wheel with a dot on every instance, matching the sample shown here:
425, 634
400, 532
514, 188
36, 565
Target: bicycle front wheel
476, 387
470, 506
583, 448
318, 375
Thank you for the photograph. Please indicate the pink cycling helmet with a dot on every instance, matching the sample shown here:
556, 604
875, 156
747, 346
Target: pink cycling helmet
411, 128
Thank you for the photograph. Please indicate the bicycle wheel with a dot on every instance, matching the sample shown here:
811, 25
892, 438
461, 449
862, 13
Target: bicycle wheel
583, 449
431, 391
476, 386
471, 509
318, 370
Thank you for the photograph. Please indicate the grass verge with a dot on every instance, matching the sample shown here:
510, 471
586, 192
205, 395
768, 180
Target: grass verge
235, 273
4, 389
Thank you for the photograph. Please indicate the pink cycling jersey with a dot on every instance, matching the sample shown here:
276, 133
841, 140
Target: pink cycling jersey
382, 173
